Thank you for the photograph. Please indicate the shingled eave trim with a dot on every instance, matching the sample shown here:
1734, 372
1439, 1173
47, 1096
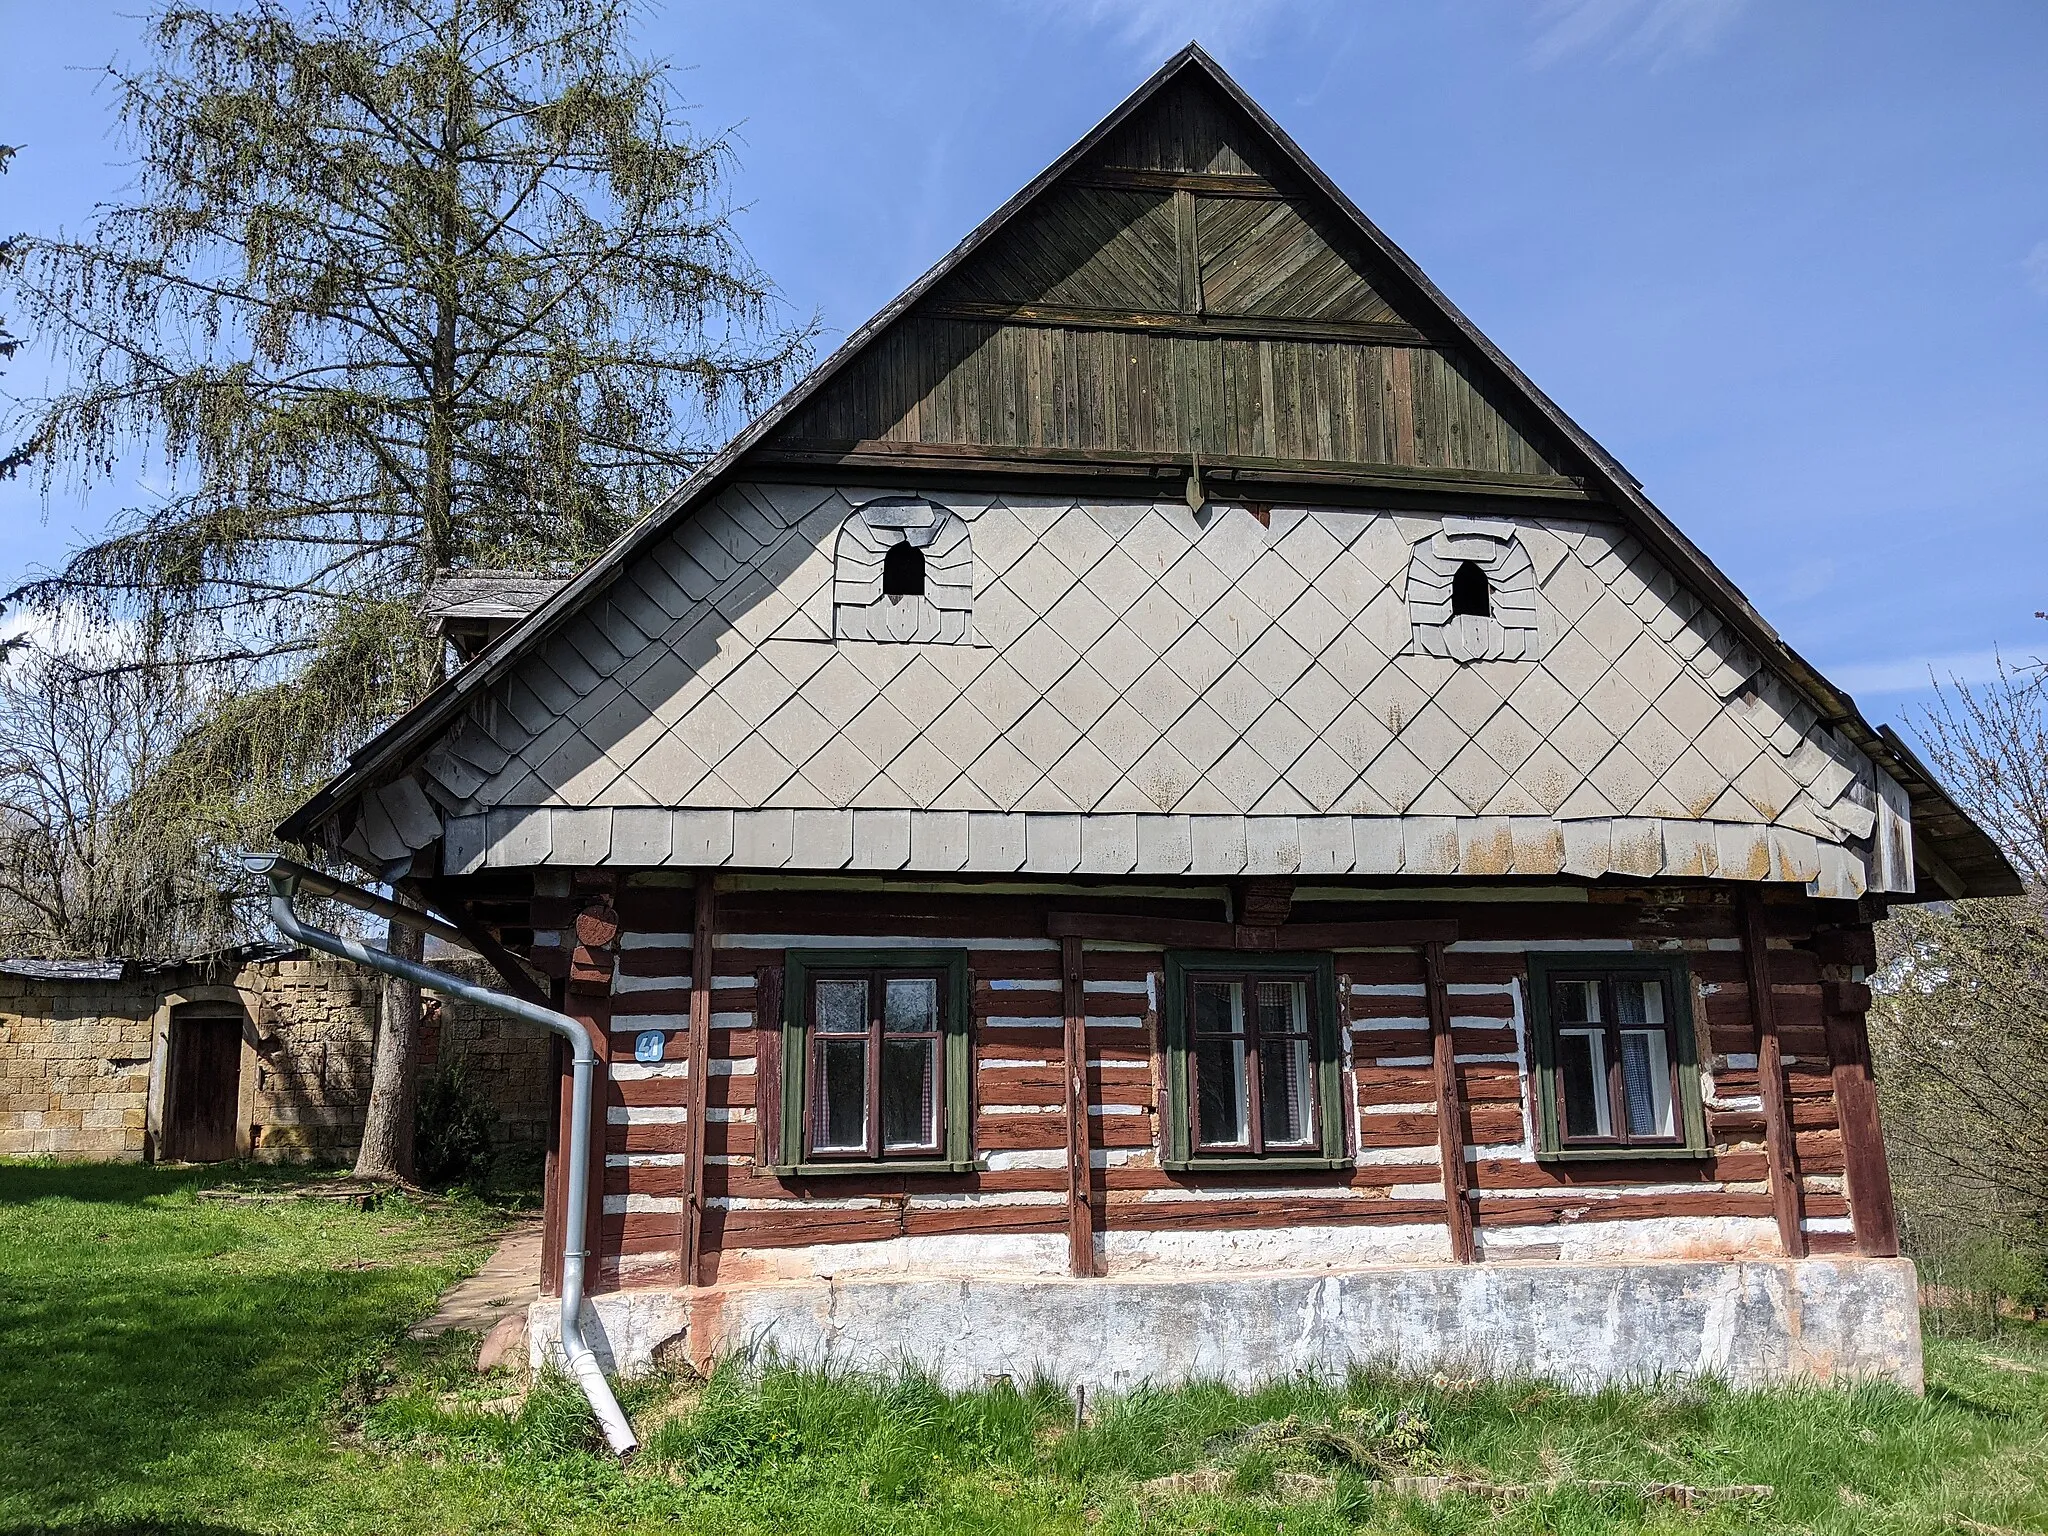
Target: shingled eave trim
409, 733
1972, 855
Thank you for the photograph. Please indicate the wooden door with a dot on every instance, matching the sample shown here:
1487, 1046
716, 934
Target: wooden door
206, 1080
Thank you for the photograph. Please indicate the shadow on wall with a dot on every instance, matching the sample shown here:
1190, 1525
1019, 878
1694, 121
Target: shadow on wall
313, 1085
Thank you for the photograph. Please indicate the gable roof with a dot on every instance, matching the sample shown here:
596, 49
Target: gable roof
1012, 279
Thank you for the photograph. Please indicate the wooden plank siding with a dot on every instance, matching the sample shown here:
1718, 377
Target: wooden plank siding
1019, 1013
1297, 403
1160, 312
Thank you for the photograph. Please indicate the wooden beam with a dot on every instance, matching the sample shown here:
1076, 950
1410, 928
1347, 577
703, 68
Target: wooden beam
1786, 1201
1182, 933
502, 960
1191, 321
1210, 183
1450, 1114
1871, 1211
1238, 472
1080, 1176
700, 1073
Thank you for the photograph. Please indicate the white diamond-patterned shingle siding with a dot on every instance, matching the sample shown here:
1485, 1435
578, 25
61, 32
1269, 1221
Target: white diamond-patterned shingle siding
1152, 690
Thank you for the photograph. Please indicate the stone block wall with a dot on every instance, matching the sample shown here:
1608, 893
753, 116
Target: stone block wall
74, 1067
75, 1060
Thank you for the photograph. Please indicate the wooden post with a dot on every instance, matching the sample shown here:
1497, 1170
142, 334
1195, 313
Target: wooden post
1080, 1215
1450, 1116
767, 1066
700, 1074
1770, 1072
551, 1186
1871, 1212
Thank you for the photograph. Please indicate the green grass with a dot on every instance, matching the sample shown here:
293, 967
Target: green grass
175, 1364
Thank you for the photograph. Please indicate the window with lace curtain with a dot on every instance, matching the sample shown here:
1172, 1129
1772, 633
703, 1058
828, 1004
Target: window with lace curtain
1252, 1060
1616, 1058
874, 1061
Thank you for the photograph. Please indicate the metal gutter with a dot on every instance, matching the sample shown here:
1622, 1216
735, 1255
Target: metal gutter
286, 880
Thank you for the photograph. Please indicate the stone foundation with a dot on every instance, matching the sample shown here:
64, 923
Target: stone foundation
1749, 1322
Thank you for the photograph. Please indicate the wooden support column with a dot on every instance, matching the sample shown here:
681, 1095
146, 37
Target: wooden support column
1871, 1213
1080, 1201
1450, 1115
701, 939
586, 996
551, 1185
1786, 1201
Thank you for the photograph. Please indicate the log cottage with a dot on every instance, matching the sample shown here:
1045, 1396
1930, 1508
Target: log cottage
1167, 813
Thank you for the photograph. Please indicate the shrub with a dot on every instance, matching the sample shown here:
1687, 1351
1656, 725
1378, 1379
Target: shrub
452, 1131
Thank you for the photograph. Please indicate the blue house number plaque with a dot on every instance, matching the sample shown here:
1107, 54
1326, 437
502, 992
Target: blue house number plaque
649, 1044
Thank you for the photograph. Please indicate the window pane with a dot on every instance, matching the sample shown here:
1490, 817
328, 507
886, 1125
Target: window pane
843, 1006
1582, 1075
1578, 1002
1283, 1008
1639, 1002
841, 1120
910, 1101
1646, 1074
1285, 1092
910, 1005
1219, 1008
1221, 1119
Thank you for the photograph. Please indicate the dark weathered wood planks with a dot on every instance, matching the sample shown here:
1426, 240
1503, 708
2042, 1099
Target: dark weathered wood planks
1167, 299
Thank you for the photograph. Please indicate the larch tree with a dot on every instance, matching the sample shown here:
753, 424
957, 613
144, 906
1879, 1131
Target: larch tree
11, 460
402, 285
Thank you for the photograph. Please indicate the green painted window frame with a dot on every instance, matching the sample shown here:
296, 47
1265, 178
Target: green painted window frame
799, 966
1543, 968
1182, 966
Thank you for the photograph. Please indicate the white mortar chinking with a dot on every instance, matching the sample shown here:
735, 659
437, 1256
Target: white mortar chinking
285, 879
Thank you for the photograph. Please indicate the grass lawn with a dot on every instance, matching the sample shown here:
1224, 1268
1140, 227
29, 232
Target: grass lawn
170, 1363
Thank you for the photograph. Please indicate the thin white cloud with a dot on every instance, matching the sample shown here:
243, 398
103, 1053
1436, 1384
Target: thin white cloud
1915, 674
1158, 27
1656, 32
2035, 265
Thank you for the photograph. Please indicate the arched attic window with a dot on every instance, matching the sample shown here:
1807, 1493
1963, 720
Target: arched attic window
1470, 591
903, 571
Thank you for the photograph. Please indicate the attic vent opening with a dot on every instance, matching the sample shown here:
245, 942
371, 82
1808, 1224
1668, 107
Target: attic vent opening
1470, 591
903, 571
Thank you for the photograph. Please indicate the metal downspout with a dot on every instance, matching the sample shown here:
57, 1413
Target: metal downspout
285, 877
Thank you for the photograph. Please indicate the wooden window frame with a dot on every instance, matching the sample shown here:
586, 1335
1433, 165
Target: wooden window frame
1682, 1047
1183, 969
802, 967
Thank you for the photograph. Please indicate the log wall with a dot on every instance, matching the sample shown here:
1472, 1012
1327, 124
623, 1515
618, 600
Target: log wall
1390, 1205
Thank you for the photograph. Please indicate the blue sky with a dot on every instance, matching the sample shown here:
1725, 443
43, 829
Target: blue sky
1787, 260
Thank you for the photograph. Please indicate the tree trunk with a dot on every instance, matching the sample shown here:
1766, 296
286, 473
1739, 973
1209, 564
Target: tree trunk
387, 1149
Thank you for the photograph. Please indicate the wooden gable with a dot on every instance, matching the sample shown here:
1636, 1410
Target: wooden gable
1180, 292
